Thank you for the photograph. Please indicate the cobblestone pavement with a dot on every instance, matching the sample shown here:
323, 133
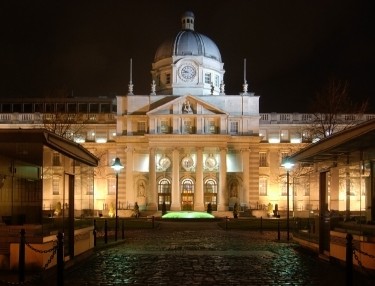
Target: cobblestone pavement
194, 253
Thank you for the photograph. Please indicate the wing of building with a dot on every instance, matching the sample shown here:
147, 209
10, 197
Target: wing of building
187, 143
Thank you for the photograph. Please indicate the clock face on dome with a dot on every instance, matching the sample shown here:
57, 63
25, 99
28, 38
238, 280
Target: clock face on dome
187, 72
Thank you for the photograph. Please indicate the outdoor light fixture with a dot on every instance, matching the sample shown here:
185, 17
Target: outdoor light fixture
287, 164
117, 167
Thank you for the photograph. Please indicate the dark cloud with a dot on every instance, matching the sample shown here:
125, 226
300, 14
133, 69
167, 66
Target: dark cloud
292, 47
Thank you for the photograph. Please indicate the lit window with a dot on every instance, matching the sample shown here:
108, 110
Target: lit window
234, 127
111, 186
164, 128
55, 185
90, 184
263, 186
212, 127
188, 126
284, 190
141, 127
263, 162
284, 136
306, 187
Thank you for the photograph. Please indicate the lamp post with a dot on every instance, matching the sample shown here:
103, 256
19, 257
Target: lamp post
287, 165
117, 167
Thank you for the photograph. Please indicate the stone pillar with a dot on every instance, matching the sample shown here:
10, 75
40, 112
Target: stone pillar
199, 196
130, 195
129, 127
246, 176
222, 195
176, 193
152, 203
253, 182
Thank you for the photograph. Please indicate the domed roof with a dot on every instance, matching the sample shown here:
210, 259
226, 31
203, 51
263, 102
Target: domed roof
188, 42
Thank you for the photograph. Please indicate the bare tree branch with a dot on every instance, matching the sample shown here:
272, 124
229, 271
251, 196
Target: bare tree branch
333, 110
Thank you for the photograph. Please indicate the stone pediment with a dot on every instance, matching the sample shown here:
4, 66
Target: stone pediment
187, 104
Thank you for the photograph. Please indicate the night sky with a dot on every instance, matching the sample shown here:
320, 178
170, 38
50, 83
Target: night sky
292, 48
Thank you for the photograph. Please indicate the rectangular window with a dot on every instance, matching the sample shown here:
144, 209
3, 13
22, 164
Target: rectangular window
60, 107
217, 80
94, 108
72, 108
234, 127
212, 127
284, 190
83, 108
105, 108
284, 135
263, 162
167, 78
90, 135
90, 187
141, 127
111, 134
207, 78
188, 128
263, 186
164, 128
306, 187
111, 186
56, 159
55, 186
27, 108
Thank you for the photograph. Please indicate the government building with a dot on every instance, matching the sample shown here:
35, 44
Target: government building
185, 144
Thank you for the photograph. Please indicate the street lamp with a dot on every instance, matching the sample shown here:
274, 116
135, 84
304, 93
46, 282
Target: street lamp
117, 167
287, 165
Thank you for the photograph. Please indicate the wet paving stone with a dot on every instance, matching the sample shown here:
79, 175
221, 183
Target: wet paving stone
205, 255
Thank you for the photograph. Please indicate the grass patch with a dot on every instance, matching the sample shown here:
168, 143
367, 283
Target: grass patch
188, 215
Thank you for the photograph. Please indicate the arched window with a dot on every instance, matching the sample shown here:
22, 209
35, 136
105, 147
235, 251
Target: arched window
164, 193
210, 193
187, 195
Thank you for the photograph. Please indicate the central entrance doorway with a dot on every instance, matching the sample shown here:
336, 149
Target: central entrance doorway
187, 195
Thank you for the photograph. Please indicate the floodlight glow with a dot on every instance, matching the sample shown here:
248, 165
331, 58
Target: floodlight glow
188, 215
295, 140
101, 140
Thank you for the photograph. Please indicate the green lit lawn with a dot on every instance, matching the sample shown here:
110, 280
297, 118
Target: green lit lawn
194, 215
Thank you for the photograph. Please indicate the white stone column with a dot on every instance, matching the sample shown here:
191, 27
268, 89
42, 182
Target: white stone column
199, 196
222, 181
246, 177
176, 194
130, 195
152, 203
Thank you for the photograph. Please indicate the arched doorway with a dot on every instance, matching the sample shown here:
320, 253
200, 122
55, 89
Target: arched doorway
164, 193
210, 193
187, 195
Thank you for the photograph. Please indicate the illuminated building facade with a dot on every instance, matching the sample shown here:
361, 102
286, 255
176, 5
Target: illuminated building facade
187, 143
